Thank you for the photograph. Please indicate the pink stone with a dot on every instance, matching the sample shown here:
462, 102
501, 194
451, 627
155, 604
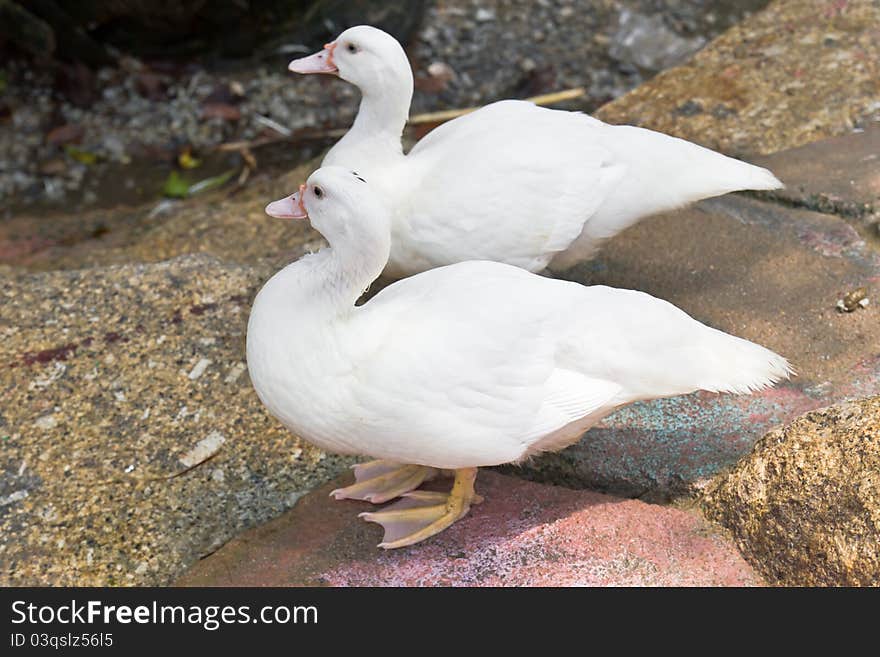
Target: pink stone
524, 534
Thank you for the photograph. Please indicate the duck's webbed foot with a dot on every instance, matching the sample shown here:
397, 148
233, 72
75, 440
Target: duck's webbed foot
380, 481
421, 514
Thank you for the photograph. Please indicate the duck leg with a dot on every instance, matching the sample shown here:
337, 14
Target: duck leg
380, 481
421, 514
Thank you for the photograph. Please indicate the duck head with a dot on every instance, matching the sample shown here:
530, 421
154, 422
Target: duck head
342, 207
369, 58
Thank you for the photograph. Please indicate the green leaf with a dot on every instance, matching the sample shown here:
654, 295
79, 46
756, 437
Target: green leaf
211, 183
80, 155
175, 186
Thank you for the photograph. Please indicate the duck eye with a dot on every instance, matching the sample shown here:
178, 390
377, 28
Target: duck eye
319, 193
351, 48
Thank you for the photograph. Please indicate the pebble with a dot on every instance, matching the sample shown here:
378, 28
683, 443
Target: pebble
484, 15
235, 372
46, 422
13, 497
204, 449
199, 369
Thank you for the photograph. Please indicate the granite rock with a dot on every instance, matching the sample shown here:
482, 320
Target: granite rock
793, 73
804, 506
131, 441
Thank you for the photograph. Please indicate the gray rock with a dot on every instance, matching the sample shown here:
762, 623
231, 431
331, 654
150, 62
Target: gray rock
646, 42
839, 175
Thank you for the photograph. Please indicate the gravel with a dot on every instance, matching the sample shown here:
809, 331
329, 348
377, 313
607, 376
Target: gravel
467, 53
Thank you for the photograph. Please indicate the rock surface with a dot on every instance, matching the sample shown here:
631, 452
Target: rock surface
793, 73
131, 441
805, 505
763, 270
840, 175
523, 534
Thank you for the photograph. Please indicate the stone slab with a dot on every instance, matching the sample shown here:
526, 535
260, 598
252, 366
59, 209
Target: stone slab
523, 534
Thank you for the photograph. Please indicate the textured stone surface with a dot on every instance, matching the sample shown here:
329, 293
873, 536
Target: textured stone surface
805, 505
793, 73
116, 383
840, 175
523, 534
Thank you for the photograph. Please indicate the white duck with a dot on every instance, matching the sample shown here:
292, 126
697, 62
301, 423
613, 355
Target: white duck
534, 187
468, 365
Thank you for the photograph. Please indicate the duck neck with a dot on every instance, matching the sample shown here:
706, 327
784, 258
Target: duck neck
327, 284
382, 116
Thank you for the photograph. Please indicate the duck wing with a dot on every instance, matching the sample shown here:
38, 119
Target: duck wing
510, 182
481, 363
